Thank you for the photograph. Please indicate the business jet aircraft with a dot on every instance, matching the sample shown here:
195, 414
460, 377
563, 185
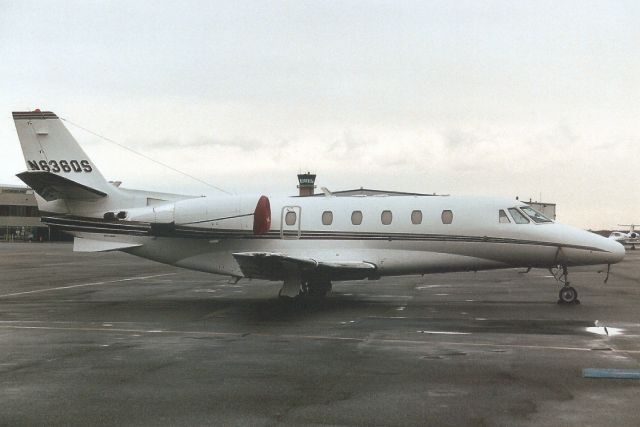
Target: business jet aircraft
631, 239
305, 242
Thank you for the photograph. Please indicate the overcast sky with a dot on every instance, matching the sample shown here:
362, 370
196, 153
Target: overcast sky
498, 98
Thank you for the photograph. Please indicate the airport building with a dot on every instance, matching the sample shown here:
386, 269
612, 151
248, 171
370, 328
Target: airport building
19, 215
548, 209
306, 187
20, 218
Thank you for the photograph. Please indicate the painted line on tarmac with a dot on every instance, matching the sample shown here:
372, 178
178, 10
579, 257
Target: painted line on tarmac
306, 337
105, 329
81, 285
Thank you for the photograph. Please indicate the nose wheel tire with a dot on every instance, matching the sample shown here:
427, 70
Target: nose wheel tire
568, 295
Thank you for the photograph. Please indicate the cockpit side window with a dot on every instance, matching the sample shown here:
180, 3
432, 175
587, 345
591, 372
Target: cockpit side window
536, 216
502, 217
518, 217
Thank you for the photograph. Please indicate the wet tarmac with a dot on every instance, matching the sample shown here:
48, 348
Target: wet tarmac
107, 339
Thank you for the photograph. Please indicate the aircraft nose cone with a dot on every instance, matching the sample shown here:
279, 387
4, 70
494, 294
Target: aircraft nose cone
616, 252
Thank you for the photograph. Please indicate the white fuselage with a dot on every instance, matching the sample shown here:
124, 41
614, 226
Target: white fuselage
207, 231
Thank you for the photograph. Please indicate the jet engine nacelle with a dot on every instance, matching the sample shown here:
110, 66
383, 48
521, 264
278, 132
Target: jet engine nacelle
237, 213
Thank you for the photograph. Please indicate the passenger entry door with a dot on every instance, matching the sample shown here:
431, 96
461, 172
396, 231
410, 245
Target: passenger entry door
290, 222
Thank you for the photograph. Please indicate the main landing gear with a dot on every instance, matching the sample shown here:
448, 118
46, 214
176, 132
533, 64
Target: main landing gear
567, 294
310, 288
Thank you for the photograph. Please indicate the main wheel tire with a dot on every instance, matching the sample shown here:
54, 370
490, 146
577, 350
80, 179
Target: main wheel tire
568, 295
319, 289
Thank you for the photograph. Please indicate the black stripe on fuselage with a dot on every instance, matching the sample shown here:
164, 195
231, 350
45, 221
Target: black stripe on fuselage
95, 225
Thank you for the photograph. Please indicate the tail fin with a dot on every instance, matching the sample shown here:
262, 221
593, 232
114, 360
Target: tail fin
48, 147
64, 177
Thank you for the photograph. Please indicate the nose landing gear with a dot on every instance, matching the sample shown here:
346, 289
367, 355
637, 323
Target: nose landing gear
567, 294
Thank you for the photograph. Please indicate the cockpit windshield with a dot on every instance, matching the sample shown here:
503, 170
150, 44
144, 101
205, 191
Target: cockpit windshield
536, 216
518, 216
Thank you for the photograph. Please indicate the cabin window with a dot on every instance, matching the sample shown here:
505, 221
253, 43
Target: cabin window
447, 217
503, 218
327, 217
386, 217
356, 217
536, 216
416, 217
290, 218
518, 217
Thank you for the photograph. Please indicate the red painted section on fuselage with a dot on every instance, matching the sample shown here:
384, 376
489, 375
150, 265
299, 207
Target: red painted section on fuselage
262, 216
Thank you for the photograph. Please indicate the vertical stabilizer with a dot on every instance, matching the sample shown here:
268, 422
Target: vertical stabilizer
48, 146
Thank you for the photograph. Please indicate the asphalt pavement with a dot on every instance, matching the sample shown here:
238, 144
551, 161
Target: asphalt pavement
106, 339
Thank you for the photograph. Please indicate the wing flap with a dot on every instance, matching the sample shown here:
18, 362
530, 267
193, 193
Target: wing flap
273, 266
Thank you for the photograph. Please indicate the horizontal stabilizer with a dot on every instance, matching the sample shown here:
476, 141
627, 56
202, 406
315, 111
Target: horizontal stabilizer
89, 245
51, 187
273, 266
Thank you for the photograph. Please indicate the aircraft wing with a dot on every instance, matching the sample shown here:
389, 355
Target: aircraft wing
274, 266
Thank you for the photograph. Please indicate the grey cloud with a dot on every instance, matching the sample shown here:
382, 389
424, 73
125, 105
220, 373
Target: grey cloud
348, 144
455, 138
560, 135
240, 143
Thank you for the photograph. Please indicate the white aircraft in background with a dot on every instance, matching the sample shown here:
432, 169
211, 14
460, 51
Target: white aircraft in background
631, 239
305, 242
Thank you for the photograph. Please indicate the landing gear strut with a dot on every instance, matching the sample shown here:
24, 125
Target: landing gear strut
567, 294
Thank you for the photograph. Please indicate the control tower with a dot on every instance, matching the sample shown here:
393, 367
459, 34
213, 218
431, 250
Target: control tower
306, 183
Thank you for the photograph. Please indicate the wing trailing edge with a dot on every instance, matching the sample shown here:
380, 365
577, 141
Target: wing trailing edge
274, 266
